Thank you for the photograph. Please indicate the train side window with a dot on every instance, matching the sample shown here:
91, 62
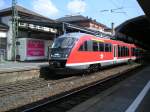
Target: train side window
101, 46
90, 45
86, 46
136, 52
122, 53
128, 51
110, 47
83, 47
95, 46
133, 51
125, 53
118, 51
106, 47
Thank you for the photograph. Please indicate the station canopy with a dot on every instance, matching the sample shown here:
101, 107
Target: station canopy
138, 28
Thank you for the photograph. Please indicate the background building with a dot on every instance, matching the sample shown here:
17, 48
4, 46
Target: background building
86, 22
3, 41
29, 26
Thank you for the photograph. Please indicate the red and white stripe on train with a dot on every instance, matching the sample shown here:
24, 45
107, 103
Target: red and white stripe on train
80, 51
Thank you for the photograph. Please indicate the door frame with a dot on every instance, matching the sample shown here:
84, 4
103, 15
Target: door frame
115, 53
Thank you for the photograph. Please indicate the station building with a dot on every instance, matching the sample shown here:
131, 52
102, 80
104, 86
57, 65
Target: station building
33, 38
86, 22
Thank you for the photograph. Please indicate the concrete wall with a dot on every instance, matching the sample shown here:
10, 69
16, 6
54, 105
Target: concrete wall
7, 20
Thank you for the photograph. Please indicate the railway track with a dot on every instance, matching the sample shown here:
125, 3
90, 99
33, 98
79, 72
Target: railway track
79, 95
22, 94
32, 84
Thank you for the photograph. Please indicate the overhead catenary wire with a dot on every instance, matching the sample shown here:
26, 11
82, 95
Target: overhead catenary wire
121, 7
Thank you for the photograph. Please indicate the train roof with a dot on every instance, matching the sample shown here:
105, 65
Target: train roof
79, 35
75, 35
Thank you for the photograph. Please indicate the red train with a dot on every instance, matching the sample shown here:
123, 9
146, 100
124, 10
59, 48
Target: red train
80, 51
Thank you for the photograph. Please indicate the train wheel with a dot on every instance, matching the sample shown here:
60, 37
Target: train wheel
130, 61
92, 68
87, 71
98, 67
95, 67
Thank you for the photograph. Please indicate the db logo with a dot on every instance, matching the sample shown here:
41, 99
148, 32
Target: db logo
101, 56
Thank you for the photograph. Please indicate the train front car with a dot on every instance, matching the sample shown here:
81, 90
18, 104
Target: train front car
76, 52
60, 51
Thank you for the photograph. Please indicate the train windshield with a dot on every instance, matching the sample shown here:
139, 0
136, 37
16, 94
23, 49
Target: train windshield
64, 42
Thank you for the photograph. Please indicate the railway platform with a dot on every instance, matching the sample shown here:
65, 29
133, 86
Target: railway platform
14, 71
130, 95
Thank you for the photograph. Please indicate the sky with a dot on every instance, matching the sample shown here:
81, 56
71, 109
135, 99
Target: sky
104, 11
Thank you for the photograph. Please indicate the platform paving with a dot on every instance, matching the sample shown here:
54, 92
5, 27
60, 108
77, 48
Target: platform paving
14, 71
120, 97
15, 66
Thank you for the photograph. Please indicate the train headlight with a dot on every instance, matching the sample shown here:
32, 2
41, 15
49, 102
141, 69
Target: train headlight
56, 55
66, 55
50, 62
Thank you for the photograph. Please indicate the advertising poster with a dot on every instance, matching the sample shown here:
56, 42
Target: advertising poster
35, 48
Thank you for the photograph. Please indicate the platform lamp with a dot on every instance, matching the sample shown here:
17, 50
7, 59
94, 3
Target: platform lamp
14, 28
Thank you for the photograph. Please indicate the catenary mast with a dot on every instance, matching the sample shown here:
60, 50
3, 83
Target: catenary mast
14, 28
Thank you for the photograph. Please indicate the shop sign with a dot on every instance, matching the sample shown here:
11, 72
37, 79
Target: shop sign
37, 27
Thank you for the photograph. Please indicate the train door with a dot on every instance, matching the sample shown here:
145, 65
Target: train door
115, 53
